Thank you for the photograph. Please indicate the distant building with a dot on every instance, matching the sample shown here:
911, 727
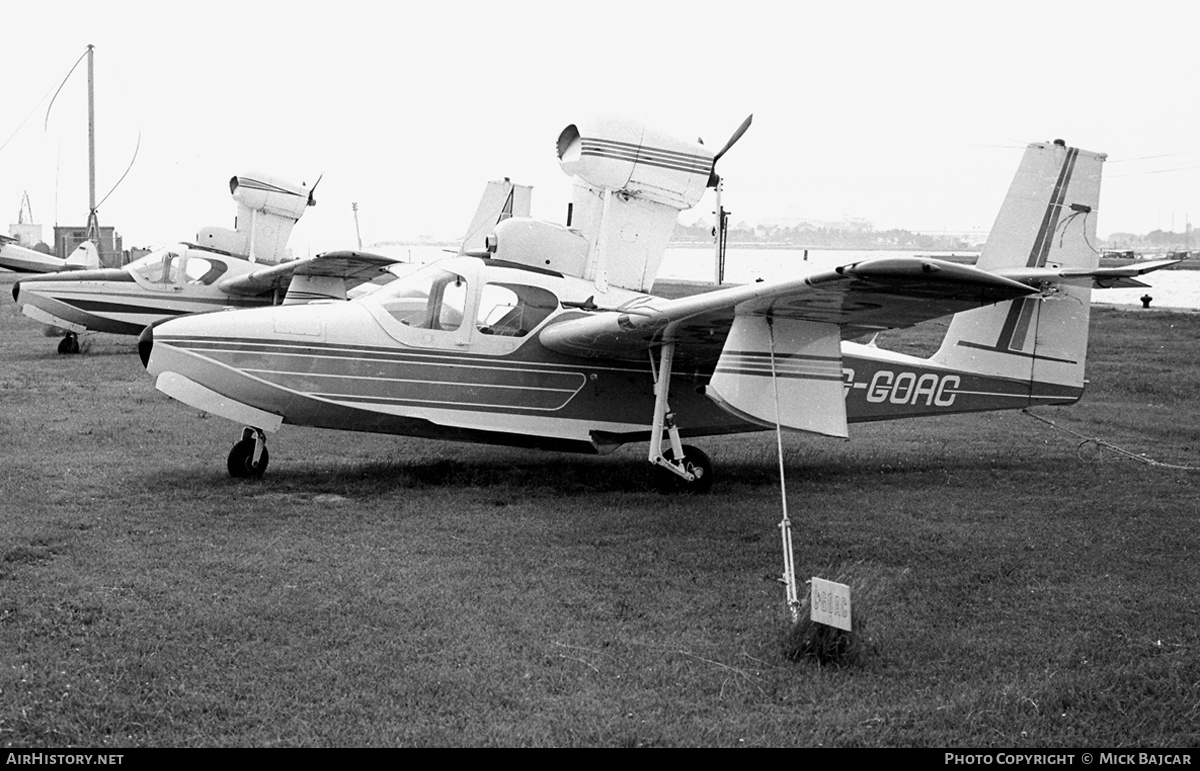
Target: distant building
67, 237
28, 235
27, 232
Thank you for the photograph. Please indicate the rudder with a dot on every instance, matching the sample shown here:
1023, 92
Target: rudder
1048, 220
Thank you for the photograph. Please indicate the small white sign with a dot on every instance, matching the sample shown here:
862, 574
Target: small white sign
830, 603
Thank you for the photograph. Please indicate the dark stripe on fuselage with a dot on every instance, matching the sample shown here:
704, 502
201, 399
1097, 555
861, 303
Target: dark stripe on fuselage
386, 353
101, 304
393, 387
115, 275
789, 366
728, 370
379, 375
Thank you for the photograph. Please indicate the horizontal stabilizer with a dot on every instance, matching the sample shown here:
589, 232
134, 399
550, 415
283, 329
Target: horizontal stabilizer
783, 371
1100, 278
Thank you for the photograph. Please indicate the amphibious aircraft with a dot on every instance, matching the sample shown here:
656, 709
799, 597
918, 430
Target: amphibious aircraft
20, 259
550, 339
238, 268
225, 269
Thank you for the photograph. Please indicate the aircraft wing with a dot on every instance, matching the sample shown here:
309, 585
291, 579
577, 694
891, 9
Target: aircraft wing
342, 269
862, 297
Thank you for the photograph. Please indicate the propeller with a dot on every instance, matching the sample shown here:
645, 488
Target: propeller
311, 200
713, 178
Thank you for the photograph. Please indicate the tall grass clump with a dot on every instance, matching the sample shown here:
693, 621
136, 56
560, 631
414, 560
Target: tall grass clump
807, 640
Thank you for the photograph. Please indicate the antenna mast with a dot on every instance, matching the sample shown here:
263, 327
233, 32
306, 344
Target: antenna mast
93, 224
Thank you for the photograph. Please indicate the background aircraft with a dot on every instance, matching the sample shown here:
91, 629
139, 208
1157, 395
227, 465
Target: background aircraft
225, 269
551, 340
17, 258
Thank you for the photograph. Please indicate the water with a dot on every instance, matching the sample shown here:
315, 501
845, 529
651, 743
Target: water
1168, 288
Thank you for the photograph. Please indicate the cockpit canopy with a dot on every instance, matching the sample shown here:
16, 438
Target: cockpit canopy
504, 302
178, 264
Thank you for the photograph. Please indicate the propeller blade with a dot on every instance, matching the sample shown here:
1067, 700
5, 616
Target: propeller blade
311, 200
736, 136
713, 178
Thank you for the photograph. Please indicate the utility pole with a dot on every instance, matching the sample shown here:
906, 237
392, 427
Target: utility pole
93, 226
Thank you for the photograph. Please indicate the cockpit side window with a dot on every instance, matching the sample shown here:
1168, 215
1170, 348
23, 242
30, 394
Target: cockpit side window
203, 271
435, 301
513, 309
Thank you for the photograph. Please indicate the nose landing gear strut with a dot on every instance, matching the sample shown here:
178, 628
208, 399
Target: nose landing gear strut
248, 458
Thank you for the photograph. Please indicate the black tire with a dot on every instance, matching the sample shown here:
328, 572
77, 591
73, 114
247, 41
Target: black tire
241, 461
666, 481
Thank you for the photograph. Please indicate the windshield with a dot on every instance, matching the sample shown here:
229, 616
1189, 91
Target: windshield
431, 298
160, 266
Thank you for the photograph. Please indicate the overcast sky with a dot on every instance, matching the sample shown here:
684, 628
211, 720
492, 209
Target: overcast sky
907, 114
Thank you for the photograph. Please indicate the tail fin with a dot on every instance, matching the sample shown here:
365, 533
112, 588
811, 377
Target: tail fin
501, 200
1046, 228
85, 257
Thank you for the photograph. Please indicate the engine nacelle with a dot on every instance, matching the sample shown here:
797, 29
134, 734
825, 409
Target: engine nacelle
539, 245
259, 192
629, 157
631, 182
267, 209
223, 240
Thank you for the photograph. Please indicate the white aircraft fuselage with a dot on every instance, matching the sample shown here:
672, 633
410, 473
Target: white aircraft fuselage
173, 281
398, 362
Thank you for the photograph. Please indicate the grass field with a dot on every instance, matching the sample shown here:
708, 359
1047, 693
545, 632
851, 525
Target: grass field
1015, 589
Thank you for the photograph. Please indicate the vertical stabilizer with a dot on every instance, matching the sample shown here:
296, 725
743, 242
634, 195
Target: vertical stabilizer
85, 257
1047, 224
501, 200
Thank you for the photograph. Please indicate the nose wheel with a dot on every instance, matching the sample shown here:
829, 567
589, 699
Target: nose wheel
695, 462
248, 458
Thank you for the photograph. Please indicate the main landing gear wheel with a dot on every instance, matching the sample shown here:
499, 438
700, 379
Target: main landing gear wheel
69, 343
696, 462
241, 460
